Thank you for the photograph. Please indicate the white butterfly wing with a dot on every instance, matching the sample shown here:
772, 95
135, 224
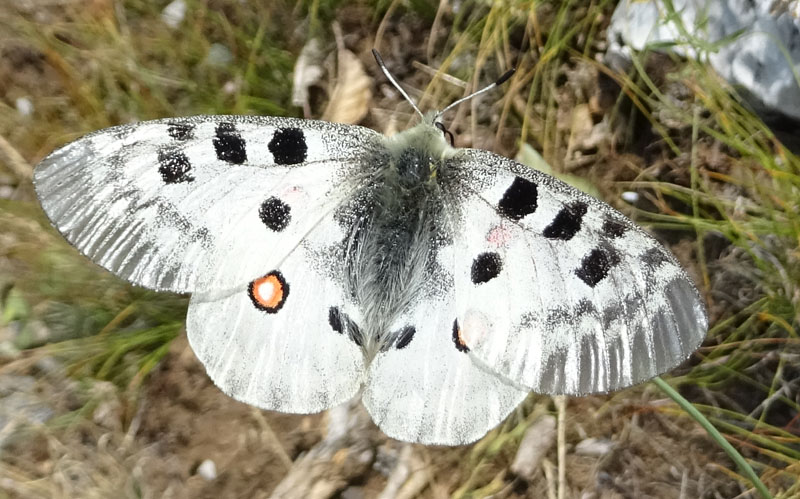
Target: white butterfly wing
199, 203
558, 291
425, 387
279, 342
431, 392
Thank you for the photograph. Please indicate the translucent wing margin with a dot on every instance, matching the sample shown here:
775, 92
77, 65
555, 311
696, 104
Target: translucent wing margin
558, 291
198, 203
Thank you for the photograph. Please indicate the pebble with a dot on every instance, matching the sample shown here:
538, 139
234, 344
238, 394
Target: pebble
24, 106
207, 470
173, 14
218, 56
536, 442
594, 447
19, 409
630, 197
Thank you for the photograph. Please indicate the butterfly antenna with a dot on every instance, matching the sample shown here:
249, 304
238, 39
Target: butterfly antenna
385, 70
508, 74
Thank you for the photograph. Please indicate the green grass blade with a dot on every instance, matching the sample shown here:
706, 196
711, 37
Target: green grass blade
715, 435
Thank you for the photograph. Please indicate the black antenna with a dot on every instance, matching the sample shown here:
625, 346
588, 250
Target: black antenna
508, 74
382, 65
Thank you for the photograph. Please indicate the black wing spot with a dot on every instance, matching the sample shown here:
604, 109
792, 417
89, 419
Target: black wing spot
519, 200
229, 145
181, 131
654, 257
567, 222
459, 342
288, 146
485, 267
613, 228
174, 167
404, 337
275, 214
596, 265
342, 324
335, 320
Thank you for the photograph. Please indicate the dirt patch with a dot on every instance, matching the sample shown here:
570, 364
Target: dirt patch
189, 420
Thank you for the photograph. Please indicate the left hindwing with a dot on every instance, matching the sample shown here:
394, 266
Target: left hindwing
199, 203
281, 342
558, 291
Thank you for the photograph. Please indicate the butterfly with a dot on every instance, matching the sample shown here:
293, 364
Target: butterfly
325, 261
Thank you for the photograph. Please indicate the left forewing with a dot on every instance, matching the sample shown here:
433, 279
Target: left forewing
198, 203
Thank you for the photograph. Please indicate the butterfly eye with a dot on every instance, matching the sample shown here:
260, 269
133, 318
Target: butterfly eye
446, 133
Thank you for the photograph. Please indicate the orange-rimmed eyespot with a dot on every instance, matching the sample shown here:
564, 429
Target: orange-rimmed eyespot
269, 293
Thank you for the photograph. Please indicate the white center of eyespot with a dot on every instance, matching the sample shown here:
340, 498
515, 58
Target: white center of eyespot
266, 289
476, 327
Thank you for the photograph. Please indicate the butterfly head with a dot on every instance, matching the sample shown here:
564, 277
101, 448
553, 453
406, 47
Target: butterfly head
418, 152
434, 119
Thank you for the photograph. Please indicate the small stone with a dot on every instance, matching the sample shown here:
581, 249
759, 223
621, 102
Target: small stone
231, 87
218, 55
630, 197
207, 470
108, 412
8, 351
24, 106
594, 447
10, 383
538, 440
49, 365
173, 14
20, 409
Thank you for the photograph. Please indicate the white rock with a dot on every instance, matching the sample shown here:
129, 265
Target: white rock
173, 14
20, 409
207, 470
218, 55
24, 106
538, 440
755, 46
630, 197
595, 447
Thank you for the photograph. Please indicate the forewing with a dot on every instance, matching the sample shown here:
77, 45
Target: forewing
199, 203
558, 291
280, 342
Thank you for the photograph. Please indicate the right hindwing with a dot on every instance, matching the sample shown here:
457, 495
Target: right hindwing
199, 203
